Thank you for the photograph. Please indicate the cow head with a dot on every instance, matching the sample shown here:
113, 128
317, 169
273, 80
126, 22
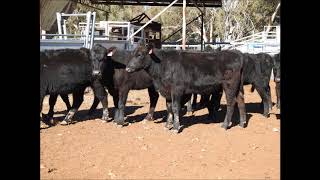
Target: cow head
98, 56
276, 69
140, 58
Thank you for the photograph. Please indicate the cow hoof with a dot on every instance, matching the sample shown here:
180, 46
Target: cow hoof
242, 124
43, 125
175, 131
266, 115
225, 125
149, 118
123, 123
53, 122
165, 128
106, 119
168, 126
64, 122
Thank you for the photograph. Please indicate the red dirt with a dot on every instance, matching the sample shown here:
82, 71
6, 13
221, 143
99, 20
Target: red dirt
91, 149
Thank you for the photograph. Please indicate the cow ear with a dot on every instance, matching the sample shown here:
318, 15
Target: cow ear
111, 51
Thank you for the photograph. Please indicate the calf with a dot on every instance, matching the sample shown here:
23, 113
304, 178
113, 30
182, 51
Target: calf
118, 82
66, 71
178, 73
257, 71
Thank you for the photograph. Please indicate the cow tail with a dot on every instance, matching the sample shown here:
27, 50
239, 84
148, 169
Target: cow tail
241, 75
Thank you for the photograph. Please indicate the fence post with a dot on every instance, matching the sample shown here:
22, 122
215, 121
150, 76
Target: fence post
59, 24
92, 29
87, 30
64, 27
278, 34
43, 32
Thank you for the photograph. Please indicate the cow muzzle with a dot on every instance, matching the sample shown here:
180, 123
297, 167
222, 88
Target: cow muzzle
277, 80
96, 73
129, 70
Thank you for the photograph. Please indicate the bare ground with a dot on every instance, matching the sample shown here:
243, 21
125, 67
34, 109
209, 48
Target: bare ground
91, 149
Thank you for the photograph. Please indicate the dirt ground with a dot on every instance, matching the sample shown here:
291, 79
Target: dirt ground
91, 149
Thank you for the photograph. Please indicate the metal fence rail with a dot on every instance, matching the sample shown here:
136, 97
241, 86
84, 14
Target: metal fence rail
65, 40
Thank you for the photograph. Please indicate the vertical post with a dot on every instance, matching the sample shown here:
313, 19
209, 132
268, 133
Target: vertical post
64, 27
278, 34
87, 30
184, 25
107, 30
128, 36
43, 32
59, 24
92, 29
202, 32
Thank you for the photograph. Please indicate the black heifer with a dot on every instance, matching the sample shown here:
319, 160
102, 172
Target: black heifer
66, 71
276, 75
177, 73
257, 71
118, 82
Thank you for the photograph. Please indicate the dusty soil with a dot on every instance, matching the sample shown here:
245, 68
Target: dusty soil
91, 149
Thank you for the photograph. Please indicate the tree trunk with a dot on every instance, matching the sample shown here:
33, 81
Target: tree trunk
272, 18
211, 31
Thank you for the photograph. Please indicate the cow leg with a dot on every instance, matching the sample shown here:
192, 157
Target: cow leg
77, 101
169, 122
217, 97
123, 95
93, 106
278, 94
205, 98
41, 102
115, 96
176, 101
52, 103
211, 108
42, 124
102, 95
153, 96
194, 101
65, 99
231, 100
189, 107
269, 97
242, 108
264, 96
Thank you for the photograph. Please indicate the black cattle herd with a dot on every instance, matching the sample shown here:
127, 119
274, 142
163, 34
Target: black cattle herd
176, 75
